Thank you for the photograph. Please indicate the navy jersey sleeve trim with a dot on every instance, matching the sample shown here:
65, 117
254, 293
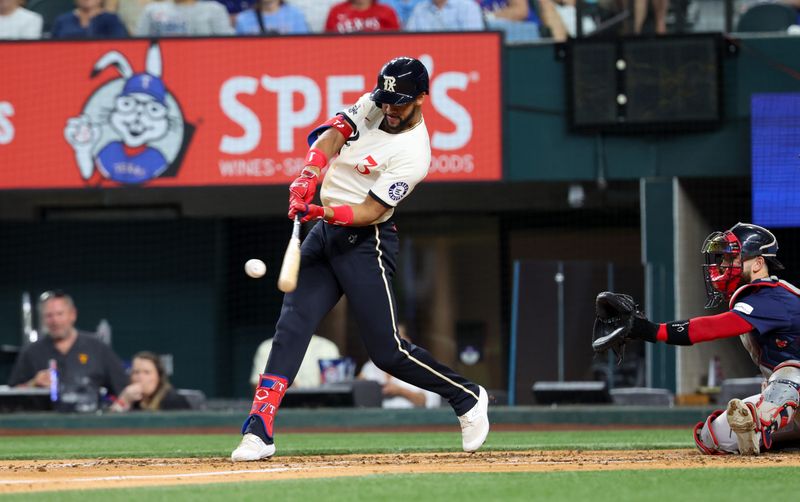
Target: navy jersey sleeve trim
379, 200
314, 134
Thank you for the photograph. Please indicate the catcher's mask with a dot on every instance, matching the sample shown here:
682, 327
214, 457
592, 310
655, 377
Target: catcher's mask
724, 254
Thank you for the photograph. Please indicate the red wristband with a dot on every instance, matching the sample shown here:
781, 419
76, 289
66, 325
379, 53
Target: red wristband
342, 215
317, 158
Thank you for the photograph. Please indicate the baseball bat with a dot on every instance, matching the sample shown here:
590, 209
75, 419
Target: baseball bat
287, 280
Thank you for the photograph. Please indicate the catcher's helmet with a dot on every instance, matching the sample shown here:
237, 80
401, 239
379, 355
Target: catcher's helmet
722, 271
400, 81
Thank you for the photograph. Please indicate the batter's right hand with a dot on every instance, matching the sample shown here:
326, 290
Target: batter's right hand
304, 187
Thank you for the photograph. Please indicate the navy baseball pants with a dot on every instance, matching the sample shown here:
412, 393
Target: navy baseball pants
358, 262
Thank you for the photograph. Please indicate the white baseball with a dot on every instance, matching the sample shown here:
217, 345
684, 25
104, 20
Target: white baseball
255, 268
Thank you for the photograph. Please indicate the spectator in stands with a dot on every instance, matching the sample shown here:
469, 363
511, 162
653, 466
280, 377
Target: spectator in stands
236, 6
559, 16
184, 18
515, 17
276, 17
129, 11
17, 22
397, 393
445, 15
361, 15
309, 374
88, 20
315, 12
78, 355
403, 8
660, 8
149, 388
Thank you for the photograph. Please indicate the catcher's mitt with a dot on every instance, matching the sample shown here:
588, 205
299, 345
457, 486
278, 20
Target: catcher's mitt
614, 322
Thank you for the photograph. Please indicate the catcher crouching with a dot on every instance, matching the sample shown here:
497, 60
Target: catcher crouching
764, 312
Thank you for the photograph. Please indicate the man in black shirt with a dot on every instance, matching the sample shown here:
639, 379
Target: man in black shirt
82, 360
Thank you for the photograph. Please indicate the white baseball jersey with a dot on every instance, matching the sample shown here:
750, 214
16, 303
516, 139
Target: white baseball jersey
386, 165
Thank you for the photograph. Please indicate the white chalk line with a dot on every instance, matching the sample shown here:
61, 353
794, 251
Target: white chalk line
7, 482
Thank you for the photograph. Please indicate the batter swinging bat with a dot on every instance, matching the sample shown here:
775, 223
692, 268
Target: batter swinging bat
287, 280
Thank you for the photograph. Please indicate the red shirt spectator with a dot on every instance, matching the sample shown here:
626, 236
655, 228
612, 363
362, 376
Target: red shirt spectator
361, 15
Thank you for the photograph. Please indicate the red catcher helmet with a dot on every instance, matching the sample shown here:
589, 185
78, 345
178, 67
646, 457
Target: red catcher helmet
724, 253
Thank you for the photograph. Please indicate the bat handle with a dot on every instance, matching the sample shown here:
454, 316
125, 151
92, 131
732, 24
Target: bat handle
296, 227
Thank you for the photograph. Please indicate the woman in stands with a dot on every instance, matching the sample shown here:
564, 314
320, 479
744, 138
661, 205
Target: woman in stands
149, 388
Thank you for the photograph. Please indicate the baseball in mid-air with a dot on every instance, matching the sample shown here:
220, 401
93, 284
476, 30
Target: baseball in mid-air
255, 268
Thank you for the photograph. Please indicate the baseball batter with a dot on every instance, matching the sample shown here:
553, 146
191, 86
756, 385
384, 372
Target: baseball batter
764, 312
383, 152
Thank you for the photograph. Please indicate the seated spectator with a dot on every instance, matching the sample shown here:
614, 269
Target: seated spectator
17, 22
184, 18
660, 8
354, 16
236, 6
89, 20
276, 17
315, 12
79, 356
515, 17
129, 11
445, 15
403, 8
309, 374
559, 18
397, 393
149, 388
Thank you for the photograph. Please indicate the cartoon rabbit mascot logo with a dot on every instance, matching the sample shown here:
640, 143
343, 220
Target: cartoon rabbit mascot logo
131, 128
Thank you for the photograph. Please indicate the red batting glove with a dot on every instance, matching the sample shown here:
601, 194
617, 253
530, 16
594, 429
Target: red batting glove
304, 187
307, 212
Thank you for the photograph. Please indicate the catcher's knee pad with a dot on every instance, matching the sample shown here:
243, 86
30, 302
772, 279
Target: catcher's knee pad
780, 398
704, 437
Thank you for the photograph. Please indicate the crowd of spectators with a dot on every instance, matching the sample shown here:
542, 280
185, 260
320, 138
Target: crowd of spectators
81, 370
163, 18
521, 20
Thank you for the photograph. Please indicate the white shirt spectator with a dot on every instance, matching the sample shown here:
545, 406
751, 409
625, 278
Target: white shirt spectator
309, 374
371, 372
193, 18
315, 12
21, 24
453, 15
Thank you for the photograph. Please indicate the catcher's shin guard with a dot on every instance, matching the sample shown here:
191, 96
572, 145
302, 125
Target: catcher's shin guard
779, 400
266, 401
704, 437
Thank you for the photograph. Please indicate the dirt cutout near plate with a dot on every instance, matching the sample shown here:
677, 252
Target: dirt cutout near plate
52, 475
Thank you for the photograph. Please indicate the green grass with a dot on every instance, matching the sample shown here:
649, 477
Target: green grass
609, 486
218, 445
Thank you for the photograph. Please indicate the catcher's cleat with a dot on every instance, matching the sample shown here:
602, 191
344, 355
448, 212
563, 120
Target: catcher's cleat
475, 423
743, 424
252, 448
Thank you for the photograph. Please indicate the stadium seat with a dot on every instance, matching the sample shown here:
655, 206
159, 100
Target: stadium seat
768, 16
49, 10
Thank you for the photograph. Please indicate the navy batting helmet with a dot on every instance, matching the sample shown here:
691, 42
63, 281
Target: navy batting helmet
757, 241
400, 81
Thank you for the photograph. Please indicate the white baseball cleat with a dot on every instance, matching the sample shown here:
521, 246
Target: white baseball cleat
252, 448
742, 423
475, 423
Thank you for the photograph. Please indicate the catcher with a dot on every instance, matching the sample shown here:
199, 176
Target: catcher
764, 313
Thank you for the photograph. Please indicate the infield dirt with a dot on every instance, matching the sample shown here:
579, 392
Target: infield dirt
48, 475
